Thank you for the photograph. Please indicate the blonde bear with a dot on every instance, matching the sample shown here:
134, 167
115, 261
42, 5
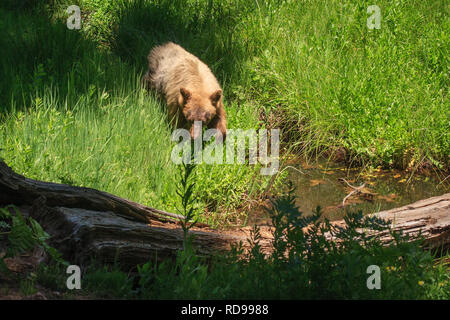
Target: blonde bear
188, 86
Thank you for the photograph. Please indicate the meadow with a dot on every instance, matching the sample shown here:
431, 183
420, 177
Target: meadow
72, 110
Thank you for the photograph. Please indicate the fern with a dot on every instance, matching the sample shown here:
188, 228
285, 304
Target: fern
23, 235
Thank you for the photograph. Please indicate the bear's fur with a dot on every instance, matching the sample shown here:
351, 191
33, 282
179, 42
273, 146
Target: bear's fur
190, 89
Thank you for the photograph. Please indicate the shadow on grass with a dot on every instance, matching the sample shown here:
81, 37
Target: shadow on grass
37, 53
208, 30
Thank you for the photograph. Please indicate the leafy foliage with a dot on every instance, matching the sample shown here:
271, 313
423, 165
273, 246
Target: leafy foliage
23, 234
185, 193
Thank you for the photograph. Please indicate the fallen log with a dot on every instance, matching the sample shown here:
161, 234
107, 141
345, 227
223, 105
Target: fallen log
20, 190
429, 218
85, 223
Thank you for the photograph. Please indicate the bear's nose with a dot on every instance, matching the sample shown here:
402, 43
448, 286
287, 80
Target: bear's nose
198, 115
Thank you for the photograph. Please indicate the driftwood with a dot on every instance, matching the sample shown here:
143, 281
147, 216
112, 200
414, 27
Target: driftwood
85, 223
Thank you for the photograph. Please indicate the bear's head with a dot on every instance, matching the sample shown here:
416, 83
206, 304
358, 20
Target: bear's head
200, 107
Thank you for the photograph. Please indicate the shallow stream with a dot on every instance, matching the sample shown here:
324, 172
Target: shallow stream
328, 184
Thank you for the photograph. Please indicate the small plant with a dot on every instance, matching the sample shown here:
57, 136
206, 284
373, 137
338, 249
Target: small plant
185, 277
185, 193
23, 234
27, 287
52, 276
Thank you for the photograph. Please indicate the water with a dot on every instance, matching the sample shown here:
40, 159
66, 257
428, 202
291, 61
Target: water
323, 184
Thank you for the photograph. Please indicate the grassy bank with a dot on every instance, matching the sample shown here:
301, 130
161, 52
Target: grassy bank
72, 110
74, 113
331, 82
380, 94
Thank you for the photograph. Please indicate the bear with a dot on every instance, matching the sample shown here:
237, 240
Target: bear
189, 88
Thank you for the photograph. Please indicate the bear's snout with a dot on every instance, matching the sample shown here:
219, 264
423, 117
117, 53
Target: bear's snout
198, 115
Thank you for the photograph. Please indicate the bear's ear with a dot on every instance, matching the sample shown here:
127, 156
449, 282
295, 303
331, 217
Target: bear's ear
215, 97
185, 93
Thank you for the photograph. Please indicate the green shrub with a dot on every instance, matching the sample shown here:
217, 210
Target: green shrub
107, 282
22, 235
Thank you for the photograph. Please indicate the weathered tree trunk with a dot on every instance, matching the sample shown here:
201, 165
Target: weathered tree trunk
428, 217
19, 190
86, 223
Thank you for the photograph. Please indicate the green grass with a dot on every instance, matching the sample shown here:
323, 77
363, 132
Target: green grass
381, 94
72, 111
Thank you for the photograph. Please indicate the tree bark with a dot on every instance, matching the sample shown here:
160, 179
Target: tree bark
85, 223
429, 217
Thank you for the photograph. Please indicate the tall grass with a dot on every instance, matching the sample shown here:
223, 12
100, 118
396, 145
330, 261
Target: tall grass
75, 113
380, 94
